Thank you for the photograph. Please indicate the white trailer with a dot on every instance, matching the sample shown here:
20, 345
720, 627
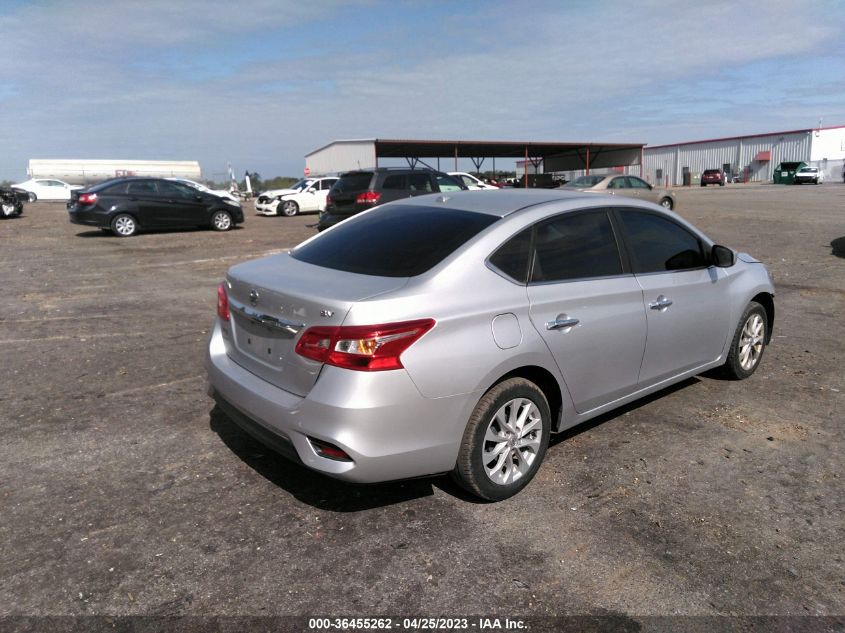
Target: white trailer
86, 172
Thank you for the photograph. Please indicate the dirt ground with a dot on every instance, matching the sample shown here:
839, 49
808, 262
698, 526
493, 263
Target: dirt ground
124, 491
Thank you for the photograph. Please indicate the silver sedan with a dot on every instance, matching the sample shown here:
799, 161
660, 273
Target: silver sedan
453, 333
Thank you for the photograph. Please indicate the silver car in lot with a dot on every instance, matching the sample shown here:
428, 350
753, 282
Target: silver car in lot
453, 333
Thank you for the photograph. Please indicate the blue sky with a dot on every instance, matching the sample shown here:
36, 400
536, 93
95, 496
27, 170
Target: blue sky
259, 83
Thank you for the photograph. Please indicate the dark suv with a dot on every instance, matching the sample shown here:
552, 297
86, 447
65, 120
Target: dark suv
358, 191
126, 205
713, 177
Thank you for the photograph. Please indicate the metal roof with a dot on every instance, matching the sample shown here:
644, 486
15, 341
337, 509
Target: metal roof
557, 156
744, 136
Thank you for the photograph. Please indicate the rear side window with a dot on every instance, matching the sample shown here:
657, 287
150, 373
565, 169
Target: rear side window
658, 244
513, 257
394, 240
142, 187
118, 189
396, 181
355, 181
575, 246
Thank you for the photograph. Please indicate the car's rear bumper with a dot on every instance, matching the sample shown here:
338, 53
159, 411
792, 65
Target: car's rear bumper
87, 218
379, 419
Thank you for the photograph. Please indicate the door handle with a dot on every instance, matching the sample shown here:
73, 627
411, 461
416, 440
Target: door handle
561, 323
661, 304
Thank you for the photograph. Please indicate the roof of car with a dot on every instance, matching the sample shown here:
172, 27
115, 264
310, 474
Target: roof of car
499, 203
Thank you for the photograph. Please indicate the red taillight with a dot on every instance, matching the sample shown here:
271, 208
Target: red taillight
87, 198
329, 200
368, 197
362, 347
222, 302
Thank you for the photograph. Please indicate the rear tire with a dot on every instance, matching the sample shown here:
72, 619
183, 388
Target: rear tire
748, 344
124, 225
31, 197
505, 440
221, 221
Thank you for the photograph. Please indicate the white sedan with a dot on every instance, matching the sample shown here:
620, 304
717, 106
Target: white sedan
46, 189
309, 194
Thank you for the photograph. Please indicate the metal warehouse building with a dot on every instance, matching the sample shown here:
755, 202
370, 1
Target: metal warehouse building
751, 158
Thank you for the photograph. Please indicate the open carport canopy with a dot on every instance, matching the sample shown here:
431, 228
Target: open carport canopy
553, 156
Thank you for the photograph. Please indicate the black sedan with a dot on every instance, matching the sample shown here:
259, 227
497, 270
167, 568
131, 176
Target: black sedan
125, 206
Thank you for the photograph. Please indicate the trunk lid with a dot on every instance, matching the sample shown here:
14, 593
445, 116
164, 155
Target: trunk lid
273, 300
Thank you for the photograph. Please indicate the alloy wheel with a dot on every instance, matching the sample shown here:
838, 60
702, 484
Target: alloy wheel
512, 441
222, 221
124, 225
751, 342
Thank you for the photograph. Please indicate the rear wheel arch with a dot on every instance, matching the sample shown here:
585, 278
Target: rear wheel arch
546, 382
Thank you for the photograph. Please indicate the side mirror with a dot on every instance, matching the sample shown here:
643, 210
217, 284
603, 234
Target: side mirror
722, 256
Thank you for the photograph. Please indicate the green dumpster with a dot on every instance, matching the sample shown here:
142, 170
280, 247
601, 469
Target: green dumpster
785, 172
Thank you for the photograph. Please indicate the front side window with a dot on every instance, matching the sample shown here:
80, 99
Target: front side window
419, 182
448, 183
658, 244
327, 183
618, 183
575, 246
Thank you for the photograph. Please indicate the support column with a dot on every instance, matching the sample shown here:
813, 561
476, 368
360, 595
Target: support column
525, 182
588, 162
456, 158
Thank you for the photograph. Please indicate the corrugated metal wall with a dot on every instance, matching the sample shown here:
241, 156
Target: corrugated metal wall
665, 165
341, 156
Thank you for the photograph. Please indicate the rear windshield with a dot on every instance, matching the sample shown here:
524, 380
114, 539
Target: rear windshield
712, 171
356, 181
394, 240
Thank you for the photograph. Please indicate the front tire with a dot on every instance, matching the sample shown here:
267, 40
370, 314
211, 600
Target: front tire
666, 203
505, 440
124, 225
289, 208
748, 344
221, 221
31, 197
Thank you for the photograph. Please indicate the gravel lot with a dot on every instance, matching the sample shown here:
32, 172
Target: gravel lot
123, 491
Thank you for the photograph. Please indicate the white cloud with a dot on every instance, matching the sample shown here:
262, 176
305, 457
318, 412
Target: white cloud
117, 80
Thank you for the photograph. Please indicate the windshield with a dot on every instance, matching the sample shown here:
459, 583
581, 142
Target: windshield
810, 170
585, 182
395, 240
299, 185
